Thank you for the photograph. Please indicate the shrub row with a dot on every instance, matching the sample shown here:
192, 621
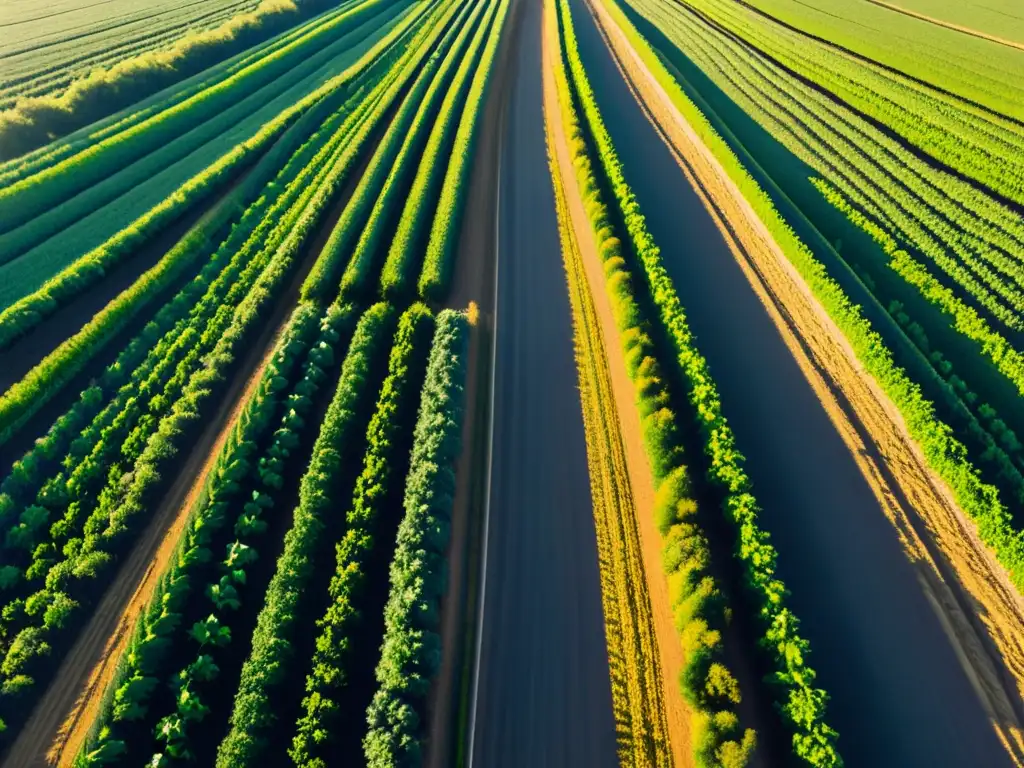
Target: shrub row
28, 312
229, 584
405, 248
440, 255
142, 665
410, 651
387, 436
104, 91
802, 705
943, 451
271, 657
384, 177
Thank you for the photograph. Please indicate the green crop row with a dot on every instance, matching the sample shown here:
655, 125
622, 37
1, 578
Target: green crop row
707, 684
230, 583
440, 255
962, 231
171, 163
271, 658
142, 665
802, 705
35, 161
29, 311
26, 199
373, 500
155, 440
943, 451
955, 132
131, 74
386, 180
403, 255
409, 651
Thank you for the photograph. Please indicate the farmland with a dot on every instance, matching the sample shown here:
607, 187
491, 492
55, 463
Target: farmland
502, 382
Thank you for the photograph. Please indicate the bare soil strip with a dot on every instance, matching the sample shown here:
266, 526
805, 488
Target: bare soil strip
641, 486
948, 25
980, 610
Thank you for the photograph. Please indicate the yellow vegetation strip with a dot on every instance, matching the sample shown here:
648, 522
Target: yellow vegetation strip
632, 648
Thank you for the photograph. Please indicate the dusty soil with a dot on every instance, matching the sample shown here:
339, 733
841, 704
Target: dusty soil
970, 592
473, 283
642, 485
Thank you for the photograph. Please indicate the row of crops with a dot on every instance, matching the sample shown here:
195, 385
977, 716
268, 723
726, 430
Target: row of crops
46, 48
278, 617
50, 89
933, 256
82, 204
673, 385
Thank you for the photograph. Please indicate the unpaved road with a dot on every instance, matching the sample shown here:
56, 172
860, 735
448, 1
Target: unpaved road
900, 695
543, 696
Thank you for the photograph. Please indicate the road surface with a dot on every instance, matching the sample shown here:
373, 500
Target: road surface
899, 695
543, 696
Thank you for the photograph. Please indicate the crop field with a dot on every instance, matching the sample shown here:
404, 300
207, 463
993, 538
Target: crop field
45, 48
512, 382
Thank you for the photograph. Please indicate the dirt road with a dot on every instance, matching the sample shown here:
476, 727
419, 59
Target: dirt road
543, 697
901, 692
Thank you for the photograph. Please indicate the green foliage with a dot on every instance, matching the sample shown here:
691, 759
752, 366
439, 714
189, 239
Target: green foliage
272, 651
305, 116
943, 451
143, 660
706, 683
38, 119
386, 437
437, 264
410, 651
420, 204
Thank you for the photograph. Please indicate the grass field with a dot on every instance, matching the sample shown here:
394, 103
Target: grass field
745, 484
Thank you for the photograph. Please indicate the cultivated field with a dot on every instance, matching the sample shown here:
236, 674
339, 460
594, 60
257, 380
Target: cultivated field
512, 382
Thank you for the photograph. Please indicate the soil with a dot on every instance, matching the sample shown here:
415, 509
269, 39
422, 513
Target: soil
971, 594
641, 478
